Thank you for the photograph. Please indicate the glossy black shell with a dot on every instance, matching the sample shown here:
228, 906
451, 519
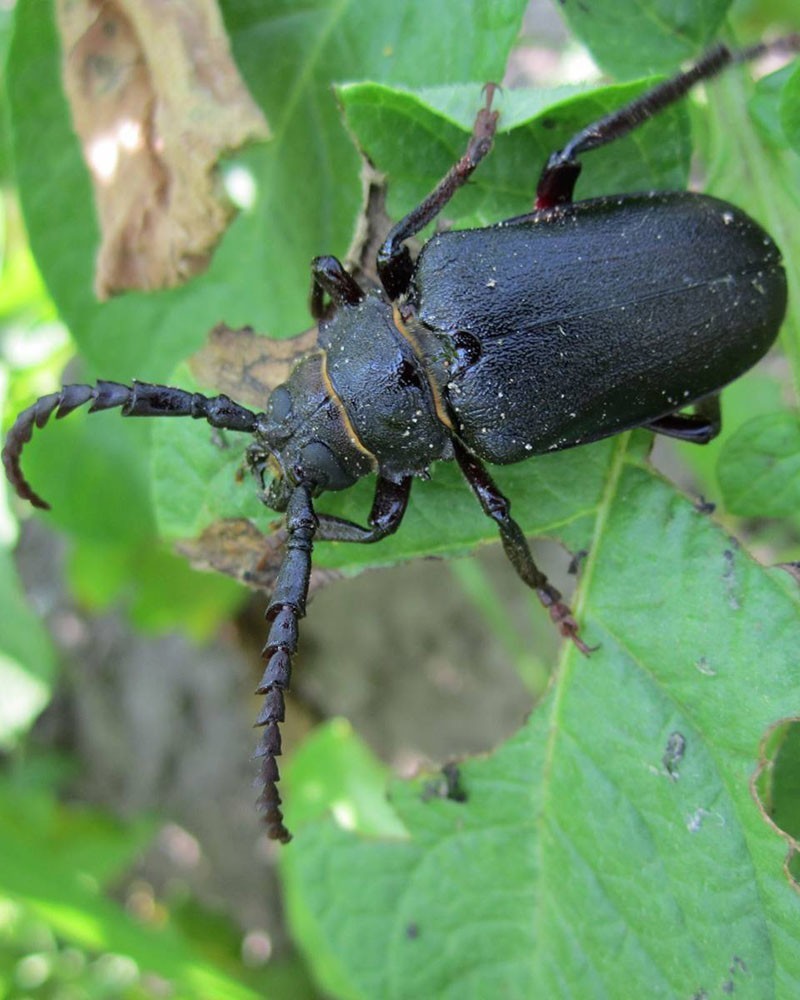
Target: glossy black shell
556, 329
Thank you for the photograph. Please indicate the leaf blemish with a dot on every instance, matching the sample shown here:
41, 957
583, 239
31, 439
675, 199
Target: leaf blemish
699, 816
446, 785
703, 666
729, 579
673, 754
703, 506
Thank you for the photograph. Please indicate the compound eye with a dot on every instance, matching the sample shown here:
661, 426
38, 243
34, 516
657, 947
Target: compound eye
279, 405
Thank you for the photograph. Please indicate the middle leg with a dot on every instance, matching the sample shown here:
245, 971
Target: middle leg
388, 508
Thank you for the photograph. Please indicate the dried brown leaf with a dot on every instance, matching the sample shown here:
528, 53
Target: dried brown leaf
156, 99
238, 549
246, 366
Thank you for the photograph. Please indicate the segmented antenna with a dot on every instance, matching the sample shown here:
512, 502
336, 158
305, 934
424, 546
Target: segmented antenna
142, 399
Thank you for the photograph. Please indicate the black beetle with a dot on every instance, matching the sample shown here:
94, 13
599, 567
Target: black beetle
546, 331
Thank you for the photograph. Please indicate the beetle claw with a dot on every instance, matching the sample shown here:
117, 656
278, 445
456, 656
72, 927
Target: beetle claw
561, 616
484, 128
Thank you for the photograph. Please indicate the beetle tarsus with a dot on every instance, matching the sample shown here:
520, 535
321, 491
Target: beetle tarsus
561, 616
484, 128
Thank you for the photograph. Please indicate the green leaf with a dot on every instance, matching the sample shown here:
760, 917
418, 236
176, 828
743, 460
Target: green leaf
171, 589
334, 772
626, 39
6, 24
573, 867
754, 20
759, 467
157, 587
81, 839
770, 103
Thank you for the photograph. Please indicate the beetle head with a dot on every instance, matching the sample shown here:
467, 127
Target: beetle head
303, 437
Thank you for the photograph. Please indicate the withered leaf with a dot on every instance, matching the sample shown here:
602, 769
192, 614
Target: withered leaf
245, 365
238, 549
156, 99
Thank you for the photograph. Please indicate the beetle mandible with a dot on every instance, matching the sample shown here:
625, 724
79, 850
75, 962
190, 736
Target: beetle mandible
571, 323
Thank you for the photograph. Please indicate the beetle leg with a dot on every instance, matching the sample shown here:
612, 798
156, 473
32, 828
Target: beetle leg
286, 607
394, 260
142, 399
557, 181
498, 507
388, 508
328, 275
699, 427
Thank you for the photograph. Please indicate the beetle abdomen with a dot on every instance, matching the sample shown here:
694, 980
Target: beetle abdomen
596, 317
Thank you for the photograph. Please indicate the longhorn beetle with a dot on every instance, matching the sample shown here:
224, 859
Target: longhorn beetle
573, 322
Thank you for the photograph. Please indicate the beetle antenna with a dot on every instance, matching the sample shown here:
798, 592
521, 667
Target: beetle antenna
142, 399
286, 607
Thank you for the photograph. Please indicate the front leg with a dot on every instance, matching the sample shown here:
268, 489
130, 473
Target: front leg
497, 506
388, 508
394, 260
